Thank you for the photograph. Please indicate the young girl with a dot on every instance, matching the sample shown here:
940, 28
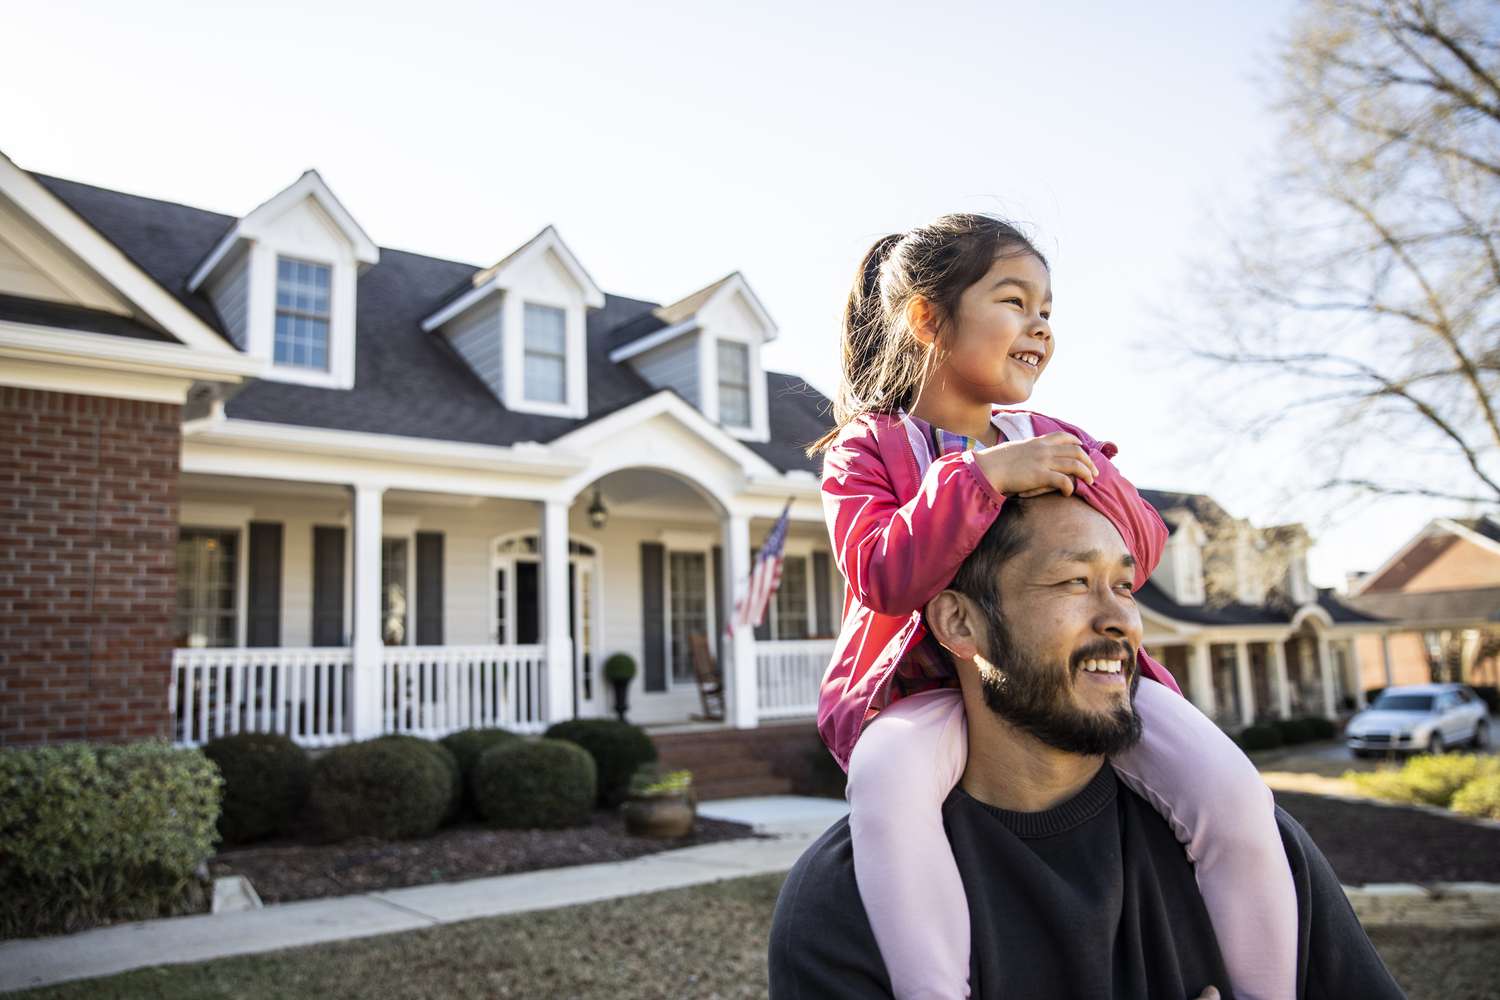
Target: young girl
944, 322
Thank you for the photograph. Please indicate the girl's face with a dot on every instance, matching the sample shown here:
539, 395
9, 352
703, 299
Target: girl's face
1000, 338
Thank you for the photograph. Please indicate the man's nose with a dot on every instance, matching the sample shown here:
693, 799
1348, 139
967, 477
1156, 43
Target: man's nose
1118, 618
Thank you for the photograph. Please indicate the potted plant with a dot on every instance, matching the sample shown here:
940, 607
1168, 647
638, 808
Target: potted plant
619, 670
660, 805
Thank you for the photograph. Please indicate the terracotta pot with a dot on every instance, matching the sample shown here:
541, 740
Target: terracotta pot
666, 816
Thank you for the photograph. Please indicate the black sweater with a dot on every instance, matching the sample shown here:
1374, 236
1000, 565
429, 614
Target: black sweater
1092, 899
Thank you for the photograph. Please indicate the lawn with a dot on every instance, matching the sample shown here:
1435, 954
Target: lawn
703, 942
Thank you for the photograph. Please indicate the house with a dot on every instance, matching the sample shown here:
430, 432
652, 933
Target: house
1441, 593
1231, 613
272, 476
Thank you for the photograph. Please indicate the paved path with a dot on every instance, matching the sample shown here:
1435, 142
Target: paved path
791, 822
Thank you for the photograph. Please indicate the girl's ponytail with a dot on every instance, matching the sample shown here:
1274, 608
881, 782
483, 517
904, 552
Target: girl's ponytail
883, 365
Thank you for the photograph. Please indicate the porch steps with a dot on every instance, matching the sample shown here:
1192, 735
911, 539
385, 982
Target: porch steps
731, 763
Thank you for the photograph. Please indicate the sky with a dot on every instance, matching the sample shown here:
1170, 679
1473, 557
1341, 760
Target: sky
672, 143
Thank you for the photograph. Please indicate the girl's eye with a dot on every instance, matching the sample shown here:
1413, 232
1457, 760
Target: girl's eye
1019, 304
1047, 316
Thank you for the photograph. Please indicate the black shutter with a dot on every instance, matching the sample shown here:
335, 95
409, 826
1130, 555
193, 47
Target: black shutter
263, 624
328, 586
721, 613
823, 594
763, 630
653, 617
429, 588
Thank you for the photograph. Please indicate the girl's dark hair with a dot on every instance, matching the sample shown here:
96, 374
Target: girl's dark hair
883, 363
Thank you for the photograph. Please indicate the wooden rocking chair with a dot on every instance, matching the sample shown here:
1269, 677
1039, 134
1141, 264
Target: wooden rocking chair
710, 681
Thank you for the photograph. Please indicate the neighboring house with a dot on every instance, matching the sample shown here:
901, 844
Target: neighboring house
269, 475
1232, 615
1441, 593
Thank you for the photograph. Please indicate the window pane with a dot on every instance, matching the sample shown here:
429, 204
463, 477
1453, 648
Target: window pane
734, 384
206, 579
689, 609
545, 379
545, 329
791, 599
393, 591
302, 313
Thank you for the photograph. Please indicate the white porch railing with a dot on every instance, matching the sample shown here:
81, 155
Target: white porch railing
788, 673
300, 693
434, 690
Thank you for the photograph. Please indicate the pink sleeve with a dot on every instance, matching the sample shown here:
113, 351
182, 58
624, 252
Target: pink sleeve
897, 554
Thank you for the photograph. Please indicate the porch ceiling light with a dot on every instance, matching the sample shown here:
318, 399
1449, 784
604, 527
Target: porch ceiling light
598, 513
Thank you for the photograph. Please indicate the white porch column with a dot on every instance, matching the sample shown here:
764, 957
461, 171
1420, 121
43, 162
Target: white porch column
1201, 678
1325, 671
1385, 653
1358, 672
556, 632
1283, 683
742, 684
1245, 681
367, 678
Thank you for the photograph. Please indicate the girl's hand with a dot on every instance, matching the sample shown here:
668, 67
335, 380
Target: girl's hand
1037, 465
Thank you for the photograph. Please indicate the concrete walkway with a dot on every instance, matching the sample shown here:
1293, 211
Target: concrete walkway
791, 822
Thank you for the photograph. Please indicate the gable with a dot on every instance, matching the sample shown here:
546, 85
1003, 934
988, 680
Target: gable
305, 229
34, 265
1458, 565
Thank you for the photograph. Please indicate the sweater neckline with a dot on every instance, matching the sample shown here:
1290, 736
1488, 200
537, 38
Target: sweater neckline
1091, 800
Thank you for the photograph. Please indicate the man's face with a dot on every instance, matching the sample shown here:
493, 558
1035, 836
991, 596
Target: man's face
1064, 637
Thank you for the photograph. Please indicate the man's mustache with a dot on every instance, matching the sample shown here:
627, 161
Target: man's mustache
1104, 649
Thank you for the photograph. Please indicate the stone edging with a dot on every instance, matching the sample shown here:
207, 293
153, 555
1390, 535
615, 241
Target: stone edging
1439, 904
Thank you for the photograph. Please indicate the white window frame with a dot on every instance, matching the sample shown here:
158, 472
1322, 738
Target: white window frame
564, 357
241, 533
712, 617
708, 381
226, 517
276, 311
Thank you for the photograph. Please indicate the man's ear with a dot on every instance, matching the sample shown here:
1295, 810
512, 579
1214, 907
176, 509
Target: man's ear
922, 320
953, 620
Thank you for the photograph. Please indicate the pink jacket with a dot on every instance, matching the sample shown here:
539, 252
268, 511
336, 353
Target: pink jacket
899, 535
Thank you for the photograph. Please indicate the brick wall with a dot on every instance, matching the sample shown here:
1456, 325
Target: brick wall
88, 529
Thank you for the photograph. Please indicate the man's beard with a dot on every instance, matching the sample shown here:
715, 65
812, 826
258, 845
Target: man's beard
1034, 696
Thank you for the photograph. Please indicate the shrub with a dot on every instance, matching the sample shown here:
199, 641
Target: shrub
467, 745
1433, 780
92, 835
619, 667
445, 757
1480, 797
265, 784
1321, 728
382, 788
545, 783
1261, 736
618, 749
1490, 695
1293, 730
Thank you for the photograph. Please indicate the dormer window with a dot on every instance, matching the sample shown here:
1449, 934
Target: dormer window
546, 354
302, 313
734, 384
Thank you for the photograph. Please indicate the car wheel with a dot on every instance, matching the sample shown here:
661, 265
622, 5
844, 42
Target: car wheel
1481, 740
1363, 754
1435, 744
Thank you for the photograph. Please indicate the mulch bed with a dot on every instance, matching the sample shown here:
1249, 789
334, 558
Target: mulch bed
1368, 843
283, 871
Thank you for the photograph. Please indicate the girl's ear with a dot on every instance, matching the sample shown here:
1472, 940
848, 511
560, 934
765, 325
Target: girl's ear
922, 320
953, 619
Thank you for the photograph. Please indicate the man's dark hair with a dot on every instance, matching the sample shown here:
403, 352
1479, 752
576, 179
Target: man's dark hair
978, 578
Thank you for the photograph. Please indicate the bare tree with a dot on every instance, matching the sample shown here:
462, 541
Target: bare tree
1368, 278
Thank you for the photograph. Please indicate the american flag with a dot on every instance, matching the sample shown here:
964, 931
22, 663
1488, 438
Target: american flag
765, 576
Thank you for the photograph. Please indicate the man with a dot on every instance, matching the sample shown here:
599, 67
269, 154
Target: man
1076, 886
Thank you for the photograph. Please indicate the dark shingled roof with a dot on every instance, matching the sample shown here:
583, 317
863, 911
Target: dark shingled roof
1435, 607
408, 382
1205, 509
61, 314
1156, 599
1342, 612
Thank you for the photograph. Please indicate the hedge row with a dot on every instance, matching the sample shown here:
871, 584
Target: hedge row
1463, 782
91, 835
1286, 732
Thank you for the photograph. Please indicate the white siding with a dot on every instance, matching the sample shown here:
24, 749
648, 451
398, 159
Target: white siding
230, 296
673, 365
476, 336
